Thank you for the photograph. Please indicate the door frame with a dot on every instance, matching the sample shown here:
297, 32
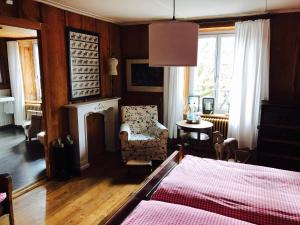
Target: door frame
41, 29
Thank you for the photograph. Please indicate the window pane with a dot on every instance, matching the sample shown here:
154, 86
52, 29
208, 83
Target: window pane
226, 49
205, 72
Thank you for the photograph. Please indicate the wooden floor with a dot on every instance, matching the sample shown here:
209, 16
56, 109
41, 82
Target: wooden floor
87, 199
23, 161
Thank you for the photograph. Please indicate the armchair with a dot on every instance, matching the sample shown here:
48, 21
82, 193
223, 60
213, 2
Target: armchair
36, 126
142, 136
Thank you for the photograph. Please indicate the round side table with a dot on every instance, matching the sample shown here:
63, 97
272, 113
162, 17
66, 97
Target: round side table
203, 127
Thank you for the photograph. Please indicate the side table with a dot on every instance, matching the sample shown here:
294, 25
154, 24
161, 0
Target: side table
203, 127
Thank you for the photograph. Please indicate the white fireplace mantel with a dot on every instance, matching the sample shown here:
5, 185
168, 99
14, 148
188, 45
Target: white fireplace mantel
77, 122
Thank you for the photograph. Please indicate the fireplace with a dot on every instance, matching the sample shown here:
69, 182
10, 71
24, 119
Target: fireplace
78, 126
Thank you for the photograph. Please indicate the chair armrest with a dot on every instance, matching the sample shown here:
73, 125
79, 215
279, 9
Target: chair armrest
161, 130
124, 132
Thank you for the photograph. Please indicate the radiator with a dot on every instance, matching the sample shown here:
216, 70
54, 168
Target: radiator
220, 123
32, 109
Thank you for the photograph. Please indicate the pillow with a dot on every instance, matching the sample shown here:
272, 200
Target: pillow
2, 197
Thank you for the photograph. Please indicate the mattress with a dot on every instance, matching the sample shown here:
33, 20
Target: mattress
256, 194
162, 213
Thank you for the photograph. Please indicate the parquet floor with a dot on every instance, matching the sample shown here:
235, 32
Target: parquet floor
87, 199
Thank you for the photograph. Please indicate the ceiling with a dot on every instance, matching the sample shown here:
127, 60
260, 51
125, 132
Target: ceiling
136, 11
16, 32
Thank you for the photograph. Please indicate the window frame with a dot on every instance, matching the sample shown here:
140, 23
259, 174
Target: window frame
218, 35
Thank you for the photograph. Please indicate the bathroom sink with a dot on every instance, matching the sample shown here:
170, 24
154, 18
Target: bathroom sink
6, 99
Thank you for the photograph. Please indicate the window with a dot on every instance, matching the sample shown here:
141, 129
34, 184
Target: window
213, 74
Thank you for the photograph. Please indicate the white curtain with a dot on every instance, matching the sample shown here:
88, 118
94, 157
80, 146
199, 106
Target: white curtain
250, 80
16, 81
37, 72
173, 98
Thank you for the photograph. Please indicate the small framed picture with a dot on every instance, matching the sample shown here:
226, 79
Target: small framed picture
208, 105
194, 101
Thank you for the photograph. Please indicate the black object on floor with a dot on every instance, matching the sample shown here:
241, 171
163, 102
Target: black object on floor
64, 160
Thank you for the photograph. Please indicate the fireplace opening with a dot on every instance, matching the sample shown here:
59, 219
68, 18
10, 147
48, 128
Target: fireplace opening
95, 131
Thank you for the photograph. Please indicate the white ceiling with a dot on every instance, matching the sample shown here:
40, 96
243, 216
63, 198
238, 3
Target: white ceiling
16, 32
131, 11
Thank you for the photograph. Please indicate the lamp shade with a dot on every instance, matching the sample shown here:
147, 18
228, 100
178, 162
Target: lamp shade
112, 65
173, 43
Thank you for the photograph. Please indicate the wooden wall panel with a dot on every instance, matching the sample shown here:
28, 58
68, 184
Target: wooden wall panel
73, 20
103, 30
9, 10
115, 45
134, 45
5, 84
29, 9
285, 58
57, 82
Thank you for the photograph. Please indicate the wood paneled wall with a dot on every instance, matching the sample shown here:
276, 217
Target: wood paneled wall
5, 84
56, 83
134, 45
285, 58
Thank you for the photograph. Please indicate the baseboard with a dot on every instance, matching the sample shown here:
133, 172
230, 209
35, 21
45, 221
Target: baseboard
17, 193
8, 126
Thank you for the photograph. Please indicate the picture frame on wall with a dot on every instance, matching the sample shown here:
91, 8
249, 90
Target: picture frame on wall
142, 78
83, 49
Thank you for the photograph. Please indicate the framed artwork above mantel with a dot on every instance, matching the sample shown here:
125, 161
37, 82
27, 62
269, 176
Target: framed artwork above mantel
142, 78
83, 49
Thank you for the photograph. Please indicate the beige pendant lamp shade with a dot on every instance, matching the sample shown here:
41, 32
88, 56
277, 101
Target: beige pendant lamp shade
173, 43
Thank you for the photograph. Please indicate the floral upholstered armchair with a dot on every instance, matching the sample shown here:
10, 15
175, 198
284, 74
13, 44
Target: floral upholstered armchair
142, 136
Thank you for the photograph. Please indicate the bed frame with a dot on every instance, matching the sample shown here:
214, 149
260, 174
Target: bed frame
147, 189
6, 186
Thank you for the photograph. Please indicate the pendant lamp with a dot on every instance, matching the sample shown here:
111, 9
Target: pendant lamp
173, 43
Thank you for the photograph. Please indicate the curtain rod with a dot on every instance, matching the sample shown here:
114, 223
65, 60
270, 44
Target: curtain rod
234, 19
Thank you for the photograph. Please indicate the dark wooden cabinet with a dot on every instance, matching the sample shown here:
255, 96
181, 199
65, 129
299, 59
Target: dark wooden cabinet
279, 136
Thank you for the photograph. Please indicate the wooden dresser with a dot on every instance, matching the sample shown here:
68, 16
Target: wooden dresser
279, 136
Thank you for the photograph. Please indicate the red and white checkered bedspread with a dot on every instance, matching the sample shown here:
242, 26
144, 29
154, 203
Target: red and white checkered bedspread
251, 193
2, 197
163, 213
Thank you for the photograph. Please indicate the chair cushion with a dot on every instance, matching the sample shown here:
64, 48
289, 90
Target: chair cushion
2, 197
143, 140
139, 118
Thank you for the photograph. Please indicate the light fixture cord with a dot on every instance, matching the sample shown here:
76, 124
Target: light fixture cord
173, 9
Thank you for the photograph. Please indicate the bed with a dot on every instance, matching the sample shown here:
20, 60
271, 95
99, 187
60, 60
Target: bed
256, 194
250, 193
161, 213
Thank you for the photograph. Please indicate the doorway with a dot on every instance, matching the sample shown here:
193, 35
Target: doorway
22, 132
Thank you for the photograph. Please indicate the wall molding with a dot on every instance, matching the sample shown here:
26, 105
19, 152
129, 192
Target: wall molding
124, 23
78, 11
